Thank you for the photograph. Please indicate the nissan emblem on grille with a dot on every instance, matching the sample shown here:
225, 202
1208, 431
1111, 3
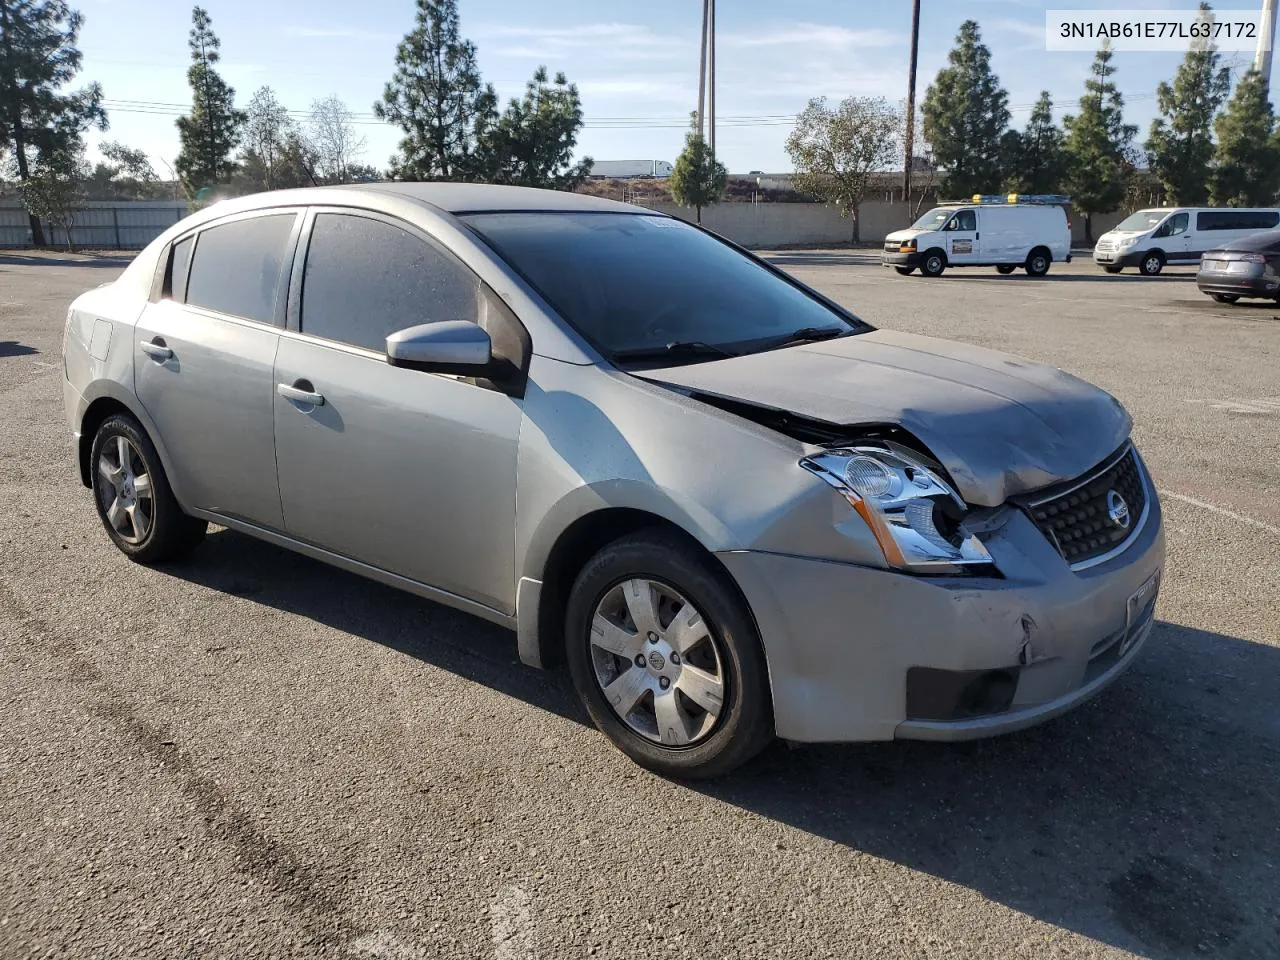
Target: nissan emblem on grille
1117, 509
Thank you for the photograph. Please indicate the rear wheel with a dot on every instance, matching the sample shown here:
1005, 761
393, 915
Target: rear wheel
1225, 297
1038, 261
933, 263
905, 271
133, 498
1006, 268
666, 659
1151, 264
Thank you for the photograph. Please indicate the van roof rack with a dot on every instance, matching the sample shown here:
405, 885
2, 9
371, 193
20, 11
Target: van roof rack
1057, 199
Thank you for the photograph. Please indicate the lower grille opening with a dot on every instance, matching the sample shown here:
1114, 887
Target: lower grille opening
934, 694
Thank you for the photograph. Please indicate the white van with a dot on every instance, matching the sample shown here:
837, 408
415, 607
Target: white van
1001, 232
1151, 238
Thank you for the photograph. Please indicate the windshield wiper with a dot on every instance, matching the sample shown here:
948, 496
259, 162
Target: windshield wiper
810, 335
678, 349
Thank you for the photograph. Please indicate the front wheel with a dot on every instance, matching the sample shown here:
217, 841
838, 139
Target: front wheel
666, 658
905, 271
132, 494
1151, 264
1225, 297
933, 263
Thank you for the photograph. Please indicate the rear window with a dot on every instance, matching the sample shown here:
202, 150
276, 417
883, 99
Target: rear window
179, 263
237, 267
1237, 219
1268, 241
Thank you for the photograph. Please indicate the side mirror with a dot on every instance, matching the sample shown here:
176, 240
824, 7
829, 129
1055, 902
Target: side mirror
458, 347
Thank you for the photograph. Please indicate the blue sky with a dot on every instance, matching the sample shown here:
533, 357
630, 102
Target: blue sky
634, 61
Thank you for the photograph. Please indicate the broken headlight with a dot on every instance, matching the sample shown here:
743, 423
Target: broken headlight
914, 514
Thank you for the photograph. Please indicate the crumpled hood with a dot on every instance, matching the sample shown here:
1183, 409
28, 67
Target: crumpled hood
1001, 425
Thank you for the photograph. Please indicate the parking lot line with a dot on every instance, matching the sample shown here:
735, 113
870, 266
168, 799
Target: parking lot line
1213, 508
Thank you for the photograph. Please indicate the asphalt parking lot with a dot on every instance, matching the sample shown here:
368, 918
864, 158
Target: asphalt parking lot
251, 754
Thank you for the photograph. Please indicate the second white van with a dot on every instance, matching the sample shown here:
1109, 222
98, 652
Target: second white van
1005, 233
1151, 238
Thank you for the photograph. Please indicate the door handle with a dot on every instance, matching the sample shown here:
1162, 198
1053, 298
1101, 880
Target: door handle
977, 236
156, 350
299, 394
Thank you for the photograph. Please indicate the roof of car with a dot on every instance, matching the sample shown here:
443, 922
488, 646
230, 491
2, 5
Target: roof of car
476, 197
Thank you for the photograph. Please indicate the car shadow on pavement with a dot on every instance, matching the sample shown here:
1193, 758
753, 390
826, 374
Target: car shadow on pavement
1051, 277
465, 645
800, 258
11, 348
1148, 819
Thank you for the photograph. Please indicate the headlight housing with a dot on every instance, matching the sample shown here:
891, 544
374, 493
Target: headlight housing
914, 514
1127, 242
907, 246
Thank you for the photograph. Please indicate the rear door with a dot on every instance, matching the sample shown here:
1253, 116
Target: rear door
963, 243
410, 472
203, 360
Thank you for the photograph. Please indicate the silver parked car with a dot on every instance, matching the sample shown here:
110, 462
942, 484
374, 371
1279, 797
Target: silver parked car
736, 510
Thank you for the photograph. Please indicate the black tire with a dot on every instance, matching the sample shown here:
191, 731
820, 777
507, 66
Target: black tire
1113, 269
1225, 297
905, 271
169, 533
933, 262
744, 724
1006, 269
1151, 263
1038, 261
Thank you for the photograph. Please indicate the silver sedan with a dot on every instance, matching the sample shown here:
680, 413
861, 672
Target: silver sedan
735, 510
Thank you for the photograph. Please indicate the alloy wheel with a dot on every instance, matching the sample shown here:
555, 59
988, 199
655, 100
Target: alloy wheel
126, 495
658, 662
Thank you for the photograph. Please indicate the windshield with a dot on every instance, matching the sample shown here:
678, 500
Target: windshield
1142, 221
934, 219
634, 284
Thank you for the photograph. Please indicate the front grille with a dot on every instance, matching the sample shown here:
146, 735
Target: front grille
1104, 247
1077, 521
891, 246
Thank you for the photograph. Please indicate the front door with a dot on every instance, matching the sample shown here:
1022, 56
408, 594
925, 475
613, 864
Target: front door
963, 240
410, 472
203, 364
1177, 238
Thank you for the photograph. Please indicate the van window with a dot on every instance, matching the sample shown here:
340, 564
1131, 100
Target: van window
236, 268
1174, 225
1141, 221
1237, 219
964, 220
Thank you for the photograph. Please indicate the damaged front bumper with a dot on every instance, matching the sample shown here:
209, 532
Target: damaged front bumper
857, 653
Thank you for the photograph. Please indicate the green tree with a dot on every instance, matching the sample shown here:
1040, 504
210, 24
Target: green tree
531, 145
1035, 160
1180, 144
835, 150
1098, 144
437, 99
124, 173
54, 188
697, 180
1246, 171
39, 117
212, 131
965, 113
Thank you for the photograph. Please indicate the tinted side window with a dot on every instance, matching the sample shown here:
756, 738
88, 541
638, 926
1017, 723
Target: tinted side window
237, 266
1178, 223
365, 279
179, 262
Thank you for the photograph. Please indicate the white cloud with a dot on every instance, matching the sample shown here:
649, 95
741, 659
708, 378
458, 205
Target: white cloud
816, 35
339, 33
627, 41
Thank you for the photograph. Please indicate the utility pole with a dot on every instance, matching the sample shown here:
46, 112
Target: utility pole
911, 104
1266, 42
702, 71
711, 94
